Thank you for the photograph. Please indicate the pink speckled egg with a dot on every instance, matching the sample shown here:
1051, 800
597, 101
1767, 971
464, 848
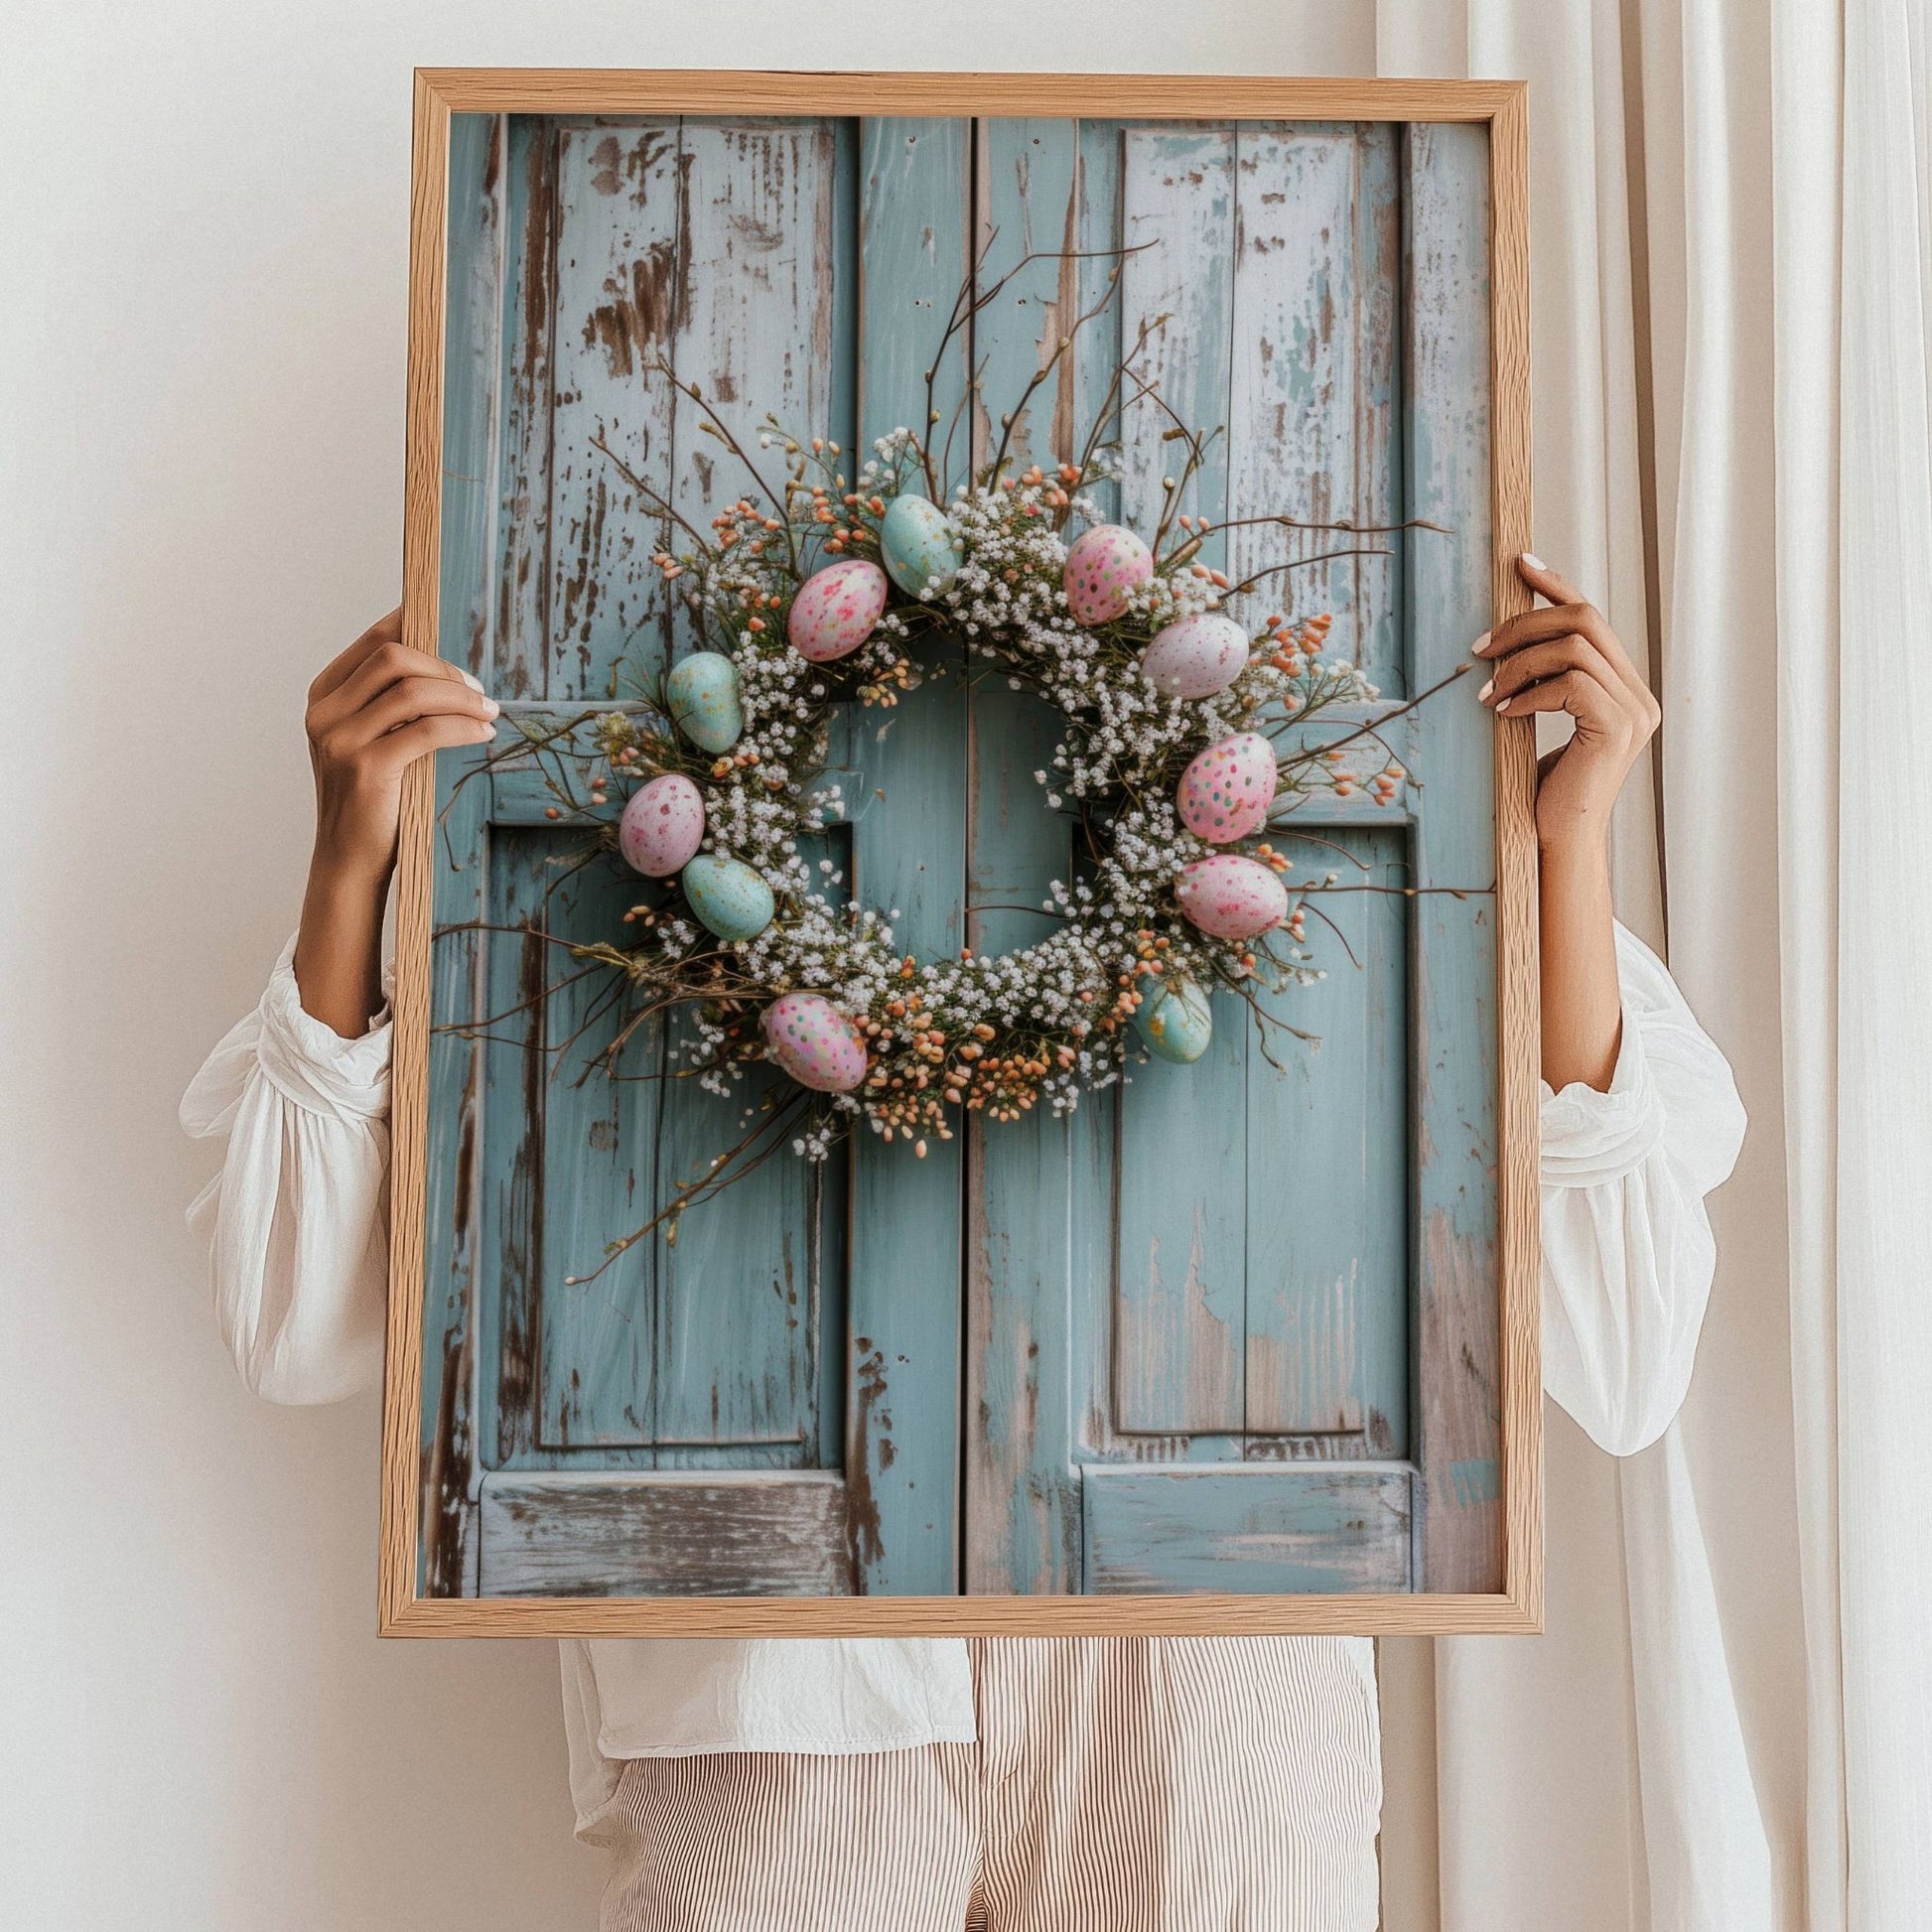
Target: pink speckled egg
814, 1043
1231, 898
1104, 569
662, 826
1196, 656
835, 609
1227, 792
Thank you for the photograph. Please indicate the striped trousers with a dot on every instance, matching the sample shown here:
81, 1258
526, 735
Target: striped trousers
1123, 1784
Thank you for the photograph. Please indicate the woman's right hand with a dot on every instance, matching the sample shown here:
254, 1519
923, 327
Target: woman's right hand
372, 712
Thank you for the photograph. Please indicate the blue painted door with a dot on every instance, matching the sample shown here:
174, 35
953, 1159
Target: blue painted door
1230, 1328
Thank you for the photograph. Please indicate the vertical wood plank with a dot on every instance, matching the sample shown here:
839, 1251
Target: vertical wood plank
753, 331
520, 647
617, 295
1180, 1275
1292, 418
1380, 641
903, 1405
1023, 1528
471, 351
1327, 1154
1177, 191
515, 971
1448, 601
595, 1321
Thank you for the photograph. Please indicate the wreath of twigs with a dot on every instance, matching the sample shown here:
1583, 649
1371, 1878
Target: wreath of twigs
995, 1034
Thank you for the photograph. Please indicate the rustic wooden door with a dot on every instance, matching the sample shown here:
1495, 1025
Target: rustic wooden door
1233, 1326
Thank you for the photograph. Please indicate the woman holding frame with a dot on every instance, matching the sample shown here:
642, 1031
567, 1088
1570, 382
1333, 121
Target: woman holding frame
1013, 1784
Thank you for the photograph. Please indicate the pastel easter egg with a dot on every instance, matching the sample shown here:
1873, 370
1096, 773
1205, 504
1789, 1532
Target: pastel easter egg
1104, 568
1227, 792
663, 825
728, 896
1231, 898
702, 692
1196, 656
835, 609
1175, 1020
920, 547
814, 1043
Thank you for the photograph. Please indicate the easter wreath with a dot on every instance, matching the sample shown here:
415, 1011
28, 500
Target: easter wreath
1183, 744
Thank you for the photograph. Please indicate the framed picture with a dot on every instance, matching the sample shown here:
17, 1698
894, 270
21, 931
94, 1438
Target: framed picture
967, 1060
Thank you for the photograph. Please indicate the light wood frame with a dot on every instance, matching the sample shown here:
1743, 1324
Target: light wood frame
441, 93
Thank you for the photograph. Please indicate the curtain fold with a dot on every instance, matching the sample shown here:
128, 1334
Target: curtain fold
1883, 1297
1729, 1723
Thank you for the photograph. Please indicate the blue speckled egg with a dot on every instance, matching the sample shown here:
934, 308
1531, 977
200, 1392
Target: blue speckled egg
728, 896
922, 554
1176, 1021
702, 692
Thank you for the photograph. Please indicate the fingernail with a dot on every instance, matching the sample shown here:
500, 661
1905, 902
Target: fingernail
474, 683
1502, 704
1482, 696
491, 707
1480, 646
1535, 562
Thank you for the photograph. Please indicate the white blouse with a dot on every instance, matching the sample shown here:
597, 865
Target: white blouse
297, 1226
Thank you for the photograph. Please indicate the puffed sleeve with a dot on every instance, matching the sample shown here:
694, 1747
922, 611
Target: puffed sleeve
1627, 1249
297, 1220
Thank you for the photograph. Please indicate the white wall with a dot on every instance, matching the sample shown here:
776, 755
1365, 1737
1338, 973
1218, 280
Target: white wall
202, 296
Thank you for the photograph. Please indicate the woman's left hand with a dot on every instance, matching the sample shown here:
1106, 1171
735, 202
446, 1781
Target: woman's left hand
1568, 658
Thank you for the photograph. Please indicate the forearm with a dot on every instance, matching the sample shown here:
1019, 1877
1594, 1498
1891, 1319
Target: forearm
339, 949
1583, 1008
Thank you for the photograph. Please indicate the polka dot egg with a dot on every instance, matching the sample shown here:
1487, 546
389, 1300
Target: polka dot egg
835, 609
1196, 656
1231, 898
1227, 792
814, 1043
663, 825
1104, 568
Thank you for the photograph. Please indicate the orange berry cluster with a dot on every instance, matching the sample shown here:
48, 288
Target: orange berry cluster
1294, 645
907, 1103
1052, 496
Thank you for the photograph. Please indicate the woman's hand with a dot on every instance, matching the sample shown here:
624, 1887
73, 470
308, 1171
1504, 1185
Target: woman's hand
1568, 658
372, 712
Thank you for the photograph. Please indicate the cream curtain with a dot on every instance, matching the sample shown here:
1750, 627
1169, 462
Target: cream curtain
1730, 1725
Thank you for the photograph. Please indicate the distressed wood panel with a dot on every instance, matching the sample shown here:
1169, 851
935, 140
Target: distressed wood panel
1457, 1262
904, 1335
754, 330
594, 1381
1022, 1494
1281, 1532
1307, 298
1213, 1265
1327, 1130
448, 1421
1207, 1273
664, 1536
618, 261
711, 1352
1178, 216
